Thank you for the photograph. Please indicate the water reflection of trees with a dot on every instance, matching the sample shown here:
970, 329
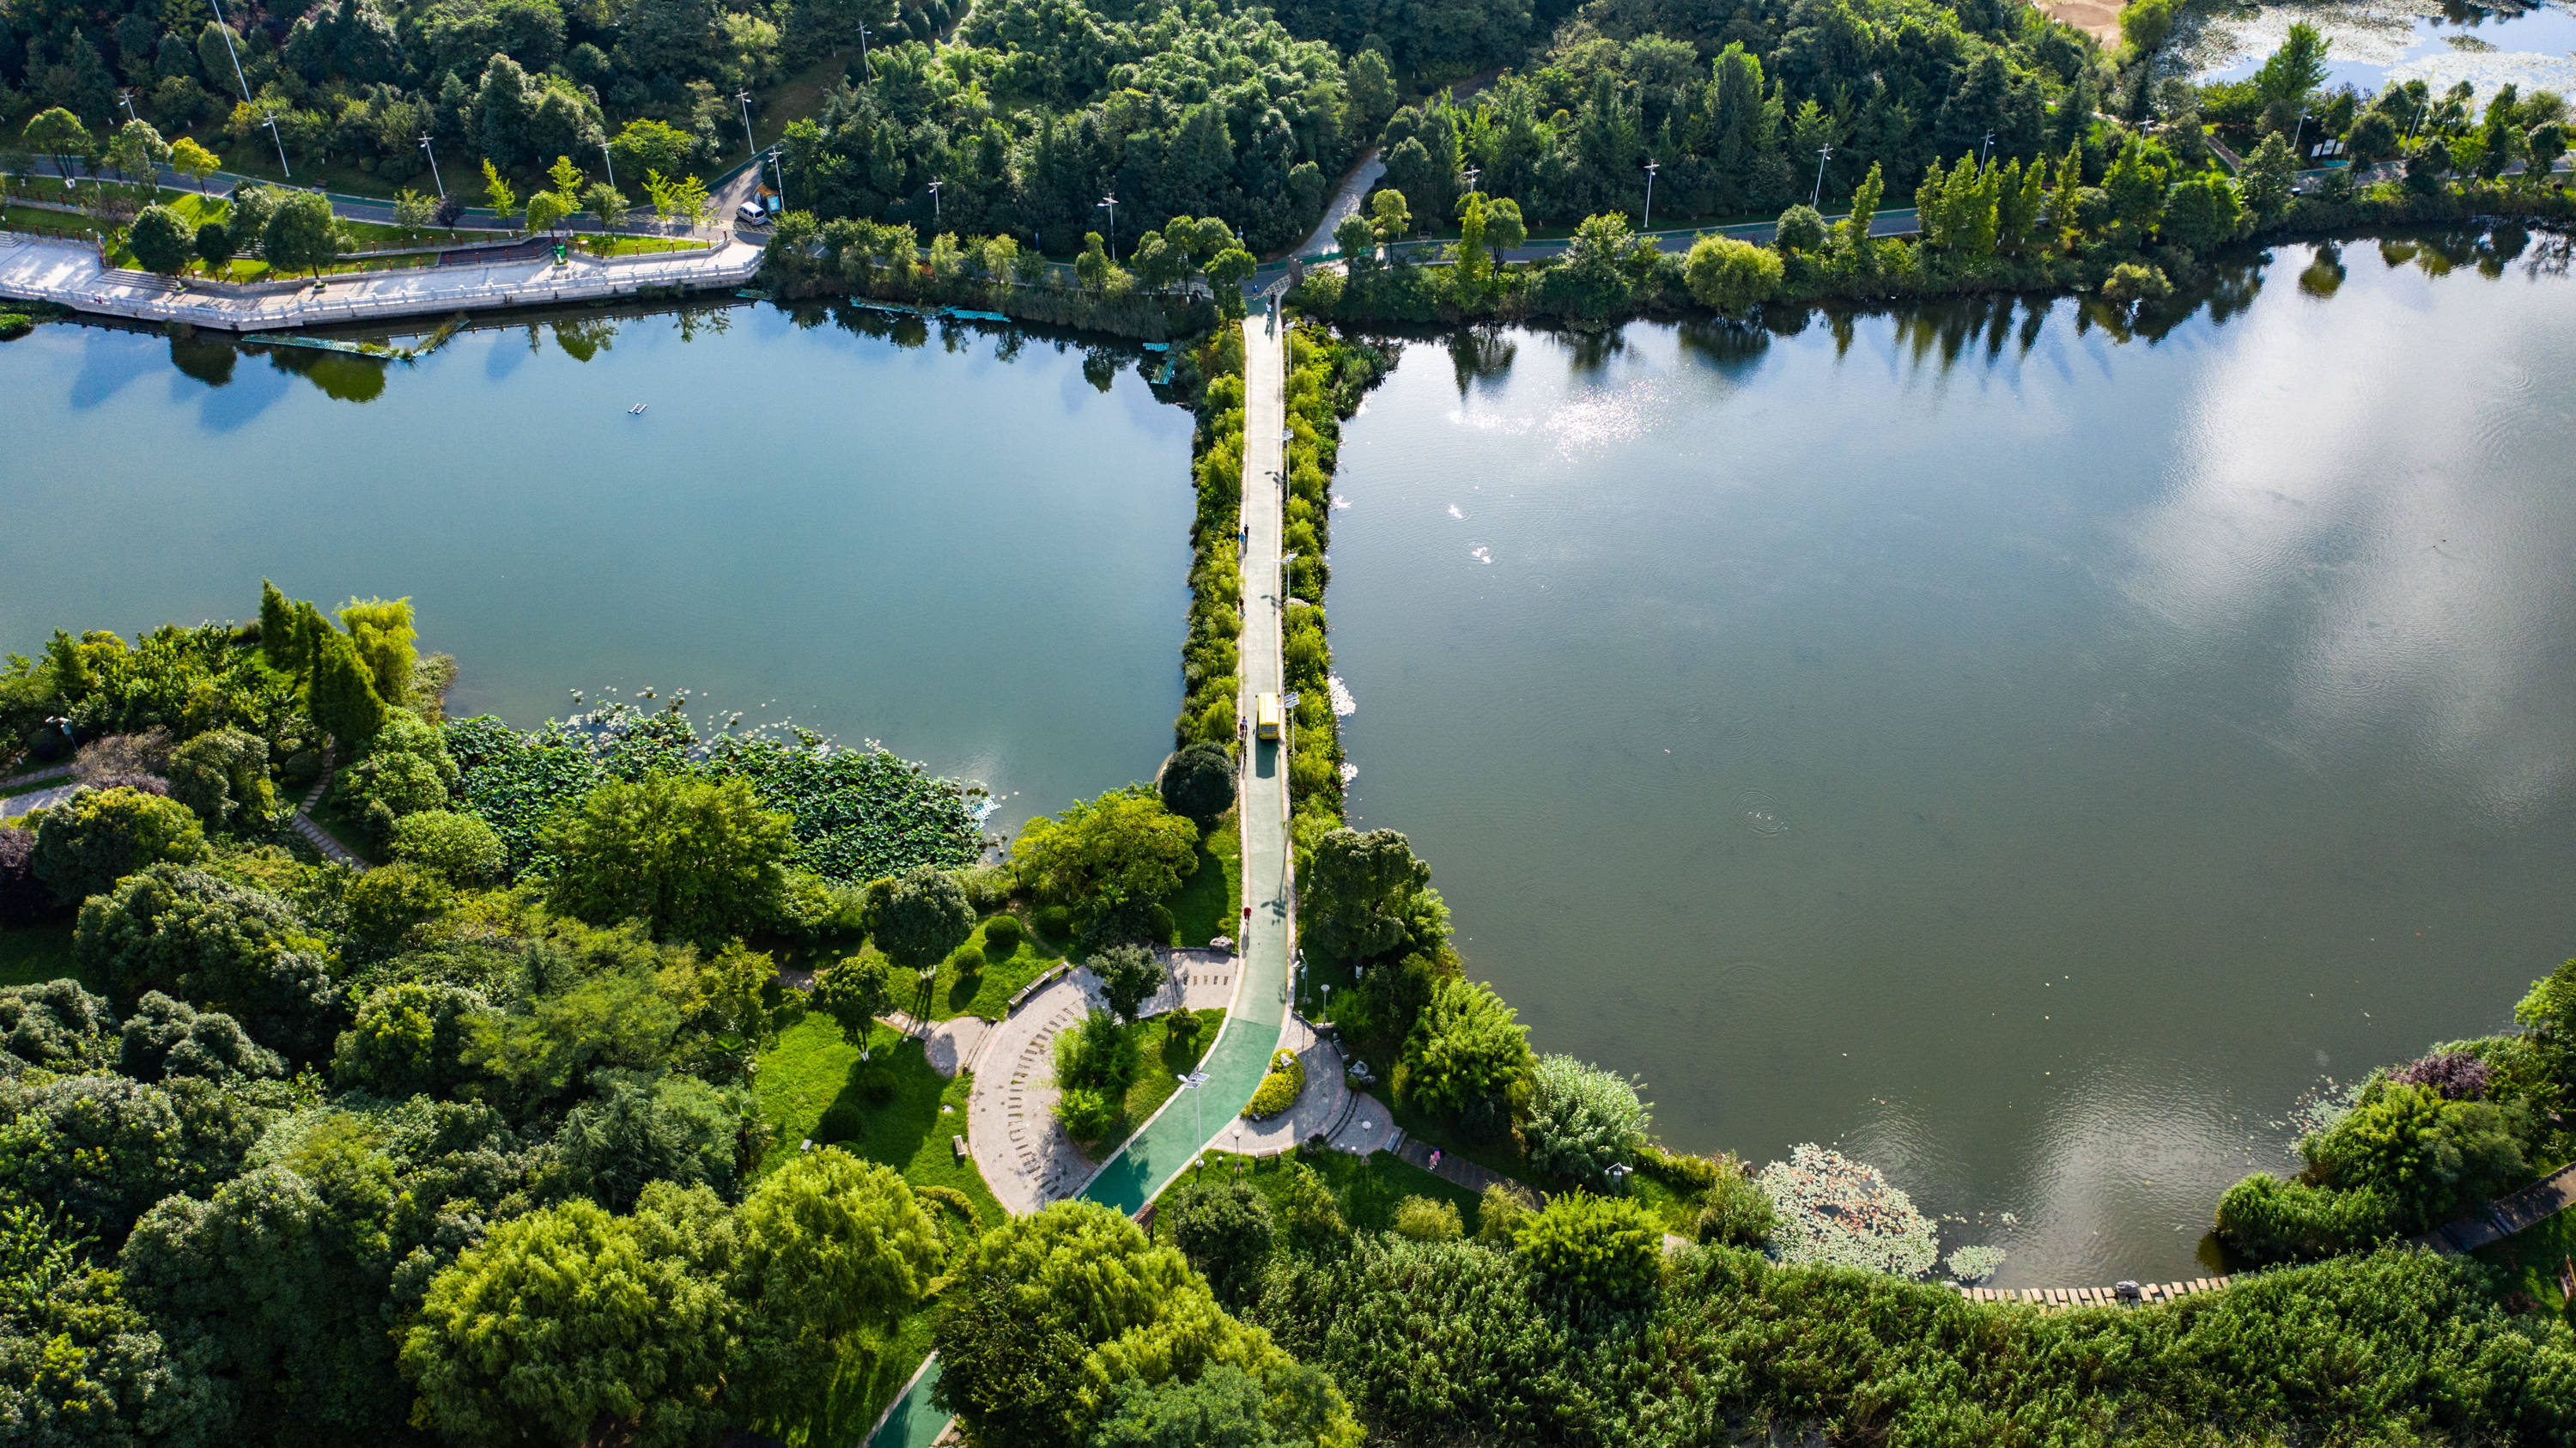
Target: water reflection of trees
1481, 355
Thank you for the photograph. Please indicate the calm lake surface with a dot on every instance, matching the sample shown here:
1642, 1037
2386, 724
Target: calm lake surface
979, 560
2025, 759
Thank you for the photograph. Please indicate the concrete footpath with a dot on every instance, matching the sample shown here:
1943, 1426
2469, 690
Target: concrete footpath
1166, 1144
69, 274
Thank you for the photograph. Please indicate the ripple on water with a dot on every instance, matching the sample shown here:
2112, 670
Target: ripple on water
1761, 811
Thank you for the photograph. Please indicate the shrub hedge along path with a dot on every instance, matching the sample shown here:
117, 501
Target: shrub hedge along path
1165, 1145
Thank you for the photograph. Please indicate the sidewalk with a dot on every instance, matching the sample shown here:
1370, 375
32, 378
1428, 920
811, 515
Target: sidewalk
68, 274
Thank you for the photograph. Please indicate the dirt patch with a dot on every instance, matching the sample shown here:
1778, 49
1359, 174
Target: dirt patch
2097, 18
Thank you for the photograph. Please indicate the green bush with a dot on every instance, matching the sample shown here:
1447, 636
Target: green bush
1279, 1089
214, 944
14, 325
384, 905
99, 836
1226, 1230
1501, 1211
1053, 922
459, 848
1583, 1121
222, 774
968, 961
1098, 1054
1469, 1058
1427, 1219
1735, 1212
1085, 1114
2270, 1220
1002, 936
1604, 1246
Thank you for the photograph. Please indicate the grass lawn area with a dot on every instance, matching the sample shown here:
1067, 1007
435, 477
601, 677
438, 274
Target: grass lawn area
1368, 1191
12, 788
2534, 1258
1677, 1212
1208, 901
637, 245
986, 993
812, 1084
32, 953
37, 219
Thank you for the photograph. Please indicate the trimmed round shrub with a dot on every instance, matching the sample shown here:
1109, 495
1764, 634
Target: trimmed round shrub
1054, 922
1583, 1121
968, 960
1280, 1089
99, 836
1199, 781
1001, 936
461, 849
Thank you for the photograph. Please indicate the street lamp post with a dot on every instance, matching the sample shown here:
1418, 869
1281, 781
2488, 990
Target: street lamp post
748, 144
779, 170
432, 152
1470, 174
934, 201
1824, 153
125, 98
1111, 201
1987, 149
866, 71
271, 121
610, 157
2298, 137
1651, 168
229, 49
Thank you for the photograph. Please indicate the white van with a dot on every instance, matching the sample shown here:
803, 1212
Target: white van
751, 213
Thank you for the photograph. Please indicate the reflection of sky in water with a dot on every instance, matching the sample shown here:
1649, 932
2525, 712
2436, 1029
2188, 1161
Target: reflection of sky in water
2384, 40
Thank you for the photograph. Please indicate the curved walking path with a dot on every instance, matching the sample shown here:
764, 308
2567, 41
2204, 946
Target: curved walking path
1169, 1141
69, 274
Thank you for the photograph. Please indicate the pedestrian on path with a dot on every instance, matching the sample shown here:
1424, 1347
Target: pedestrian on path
1435, 1158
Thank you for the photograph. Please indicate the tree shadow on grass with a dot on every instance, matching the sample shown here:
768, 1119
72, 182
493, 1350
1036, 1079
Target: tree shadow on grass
852, 1390
887, 1106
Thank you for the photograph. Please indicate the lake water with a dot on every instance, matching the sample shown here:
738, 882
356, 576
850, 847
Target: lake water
2025, 759
975, 551
2373, 42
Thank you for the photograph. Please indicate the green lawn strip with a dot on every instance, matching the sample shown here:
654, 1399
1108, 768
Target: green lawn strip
1206, 904
986, 993
33, 953
1166, 1059
12, 788
2533, 1258
1367, 1190
1677, 1213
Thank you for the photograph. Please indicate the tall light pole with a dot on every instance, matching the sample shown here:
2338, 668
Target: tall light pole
748, 144
780, 172
1111, 201
125, 98
934, 201
610, 157
1470, 174
2297, 137
1986, 150
1824, 153
1651, 168
866, 72
273, 134
229, 49
432, 152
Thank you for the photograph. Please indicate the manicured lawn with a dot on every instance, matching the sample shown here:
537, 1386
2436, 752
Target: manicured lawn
1368, 1191
33, 953
812, 1085
988, 992
9, 788
1207, 903
637, 245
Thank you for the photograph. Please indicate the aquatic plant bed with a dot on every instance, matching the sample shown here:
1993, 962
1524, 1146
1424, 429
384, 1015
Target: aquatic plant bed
861, 814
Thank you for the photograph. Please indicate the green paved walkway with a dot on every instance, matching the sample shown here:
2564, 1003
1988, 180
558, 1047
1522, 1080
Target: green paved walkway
1234, 1065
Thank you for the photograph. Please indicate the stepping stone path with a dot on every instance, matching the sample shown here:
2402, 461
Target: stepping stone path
318, 837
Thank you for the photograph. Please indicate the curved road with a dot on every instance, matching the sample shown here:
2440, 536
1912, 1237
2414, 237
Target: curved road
1170, 1140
